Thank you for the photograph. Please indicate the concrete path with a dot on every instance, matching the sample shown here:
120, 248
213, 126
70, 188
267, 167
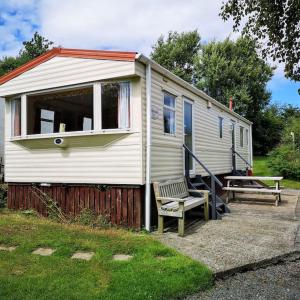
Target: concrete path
253, 232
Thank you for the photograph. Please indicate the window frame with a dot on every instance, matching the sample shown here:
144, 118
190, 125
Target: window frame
171, 109
242, 136
12, 119
221, 125
97, 112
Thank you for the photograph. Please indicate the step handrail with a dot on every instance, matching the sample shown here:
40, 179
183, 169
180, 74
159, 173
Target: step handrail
203, 166
242, 158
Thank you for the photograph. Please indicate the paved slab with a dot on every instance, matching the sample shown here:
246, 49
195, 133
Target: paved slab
7, 248
83, 255
122, 257
252, 232
44, 251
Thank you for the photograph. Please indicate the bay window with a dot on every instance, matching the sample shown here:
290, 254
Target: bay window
73, 110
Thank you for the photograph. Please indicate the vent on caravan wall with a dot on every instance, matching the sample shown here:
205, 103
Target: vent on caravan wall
60, 142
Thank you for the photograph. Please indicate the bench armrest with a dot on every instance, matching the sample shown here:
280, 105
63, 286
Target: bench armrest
170, 199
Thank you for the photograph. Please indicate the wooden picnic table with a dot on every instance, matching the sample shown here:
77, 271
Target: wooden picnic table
253, 188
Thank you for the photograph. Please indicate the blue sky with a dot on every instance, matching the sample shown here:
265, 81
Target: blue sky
120, 25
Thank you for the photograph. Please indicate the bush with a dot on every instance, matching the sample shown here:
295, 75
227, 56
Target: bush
285, 161
3, 195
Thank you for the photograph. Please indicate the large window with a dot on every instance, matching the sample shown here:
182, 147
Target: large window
63, 111
220, 127
115, 99
169, 113
241, 136
16, 117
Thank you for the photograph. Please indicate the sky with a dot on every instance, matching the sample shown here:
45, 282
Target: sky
132, 25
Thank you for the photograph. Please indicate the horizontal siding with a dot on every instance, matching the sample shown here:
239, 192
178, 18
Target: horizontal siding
213, 151
2, 111
63, 71
117, 163
110, 158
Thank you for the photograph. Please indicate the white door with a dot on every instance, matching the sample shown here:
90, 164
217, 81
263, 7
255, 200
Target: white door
189, 130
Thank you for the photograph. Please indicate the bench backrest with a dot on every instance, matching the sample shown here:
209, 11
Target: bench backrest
176, 188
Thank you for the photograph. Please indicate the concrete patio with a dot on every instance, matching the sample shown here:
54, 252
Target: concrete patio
255, 231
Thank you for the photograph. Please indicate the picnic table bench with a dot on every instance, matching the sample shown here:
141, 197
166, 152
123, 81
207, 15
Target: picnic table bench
173, 199
241, 188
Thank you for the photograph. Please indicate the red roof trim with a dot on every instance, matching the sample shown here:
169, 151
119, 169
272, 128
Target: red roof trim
64, 52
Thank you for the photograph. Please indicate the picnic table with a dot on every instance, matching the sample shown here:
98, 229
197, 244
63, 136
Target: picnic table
244, 184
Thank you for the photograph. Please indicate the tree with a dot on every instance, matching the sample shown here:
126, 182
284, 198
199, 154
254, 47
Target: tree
177, 53
233, 69
35, 47
32, 49
275, 24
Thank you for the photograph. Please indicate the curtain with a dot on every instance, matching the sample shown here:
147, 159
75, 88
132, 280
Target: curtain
124, 103
16, 117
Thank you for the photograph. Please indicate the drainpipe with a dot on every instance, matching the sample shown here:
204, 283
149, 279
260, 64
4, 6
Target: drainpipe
148, 149
251, 146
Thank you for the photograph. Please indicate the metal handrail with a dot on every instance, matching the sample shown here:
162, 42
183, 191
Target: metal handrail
203, 166
242, 158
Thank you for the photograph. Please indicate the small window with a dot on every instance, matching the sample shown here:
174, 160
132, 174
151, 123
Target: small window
16, 117
115, 99
169, 113
241, 136
220, 127
247, 137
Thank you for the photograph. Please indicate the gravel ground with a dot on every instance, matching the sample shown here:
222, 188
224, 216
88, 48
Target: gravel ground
272, 283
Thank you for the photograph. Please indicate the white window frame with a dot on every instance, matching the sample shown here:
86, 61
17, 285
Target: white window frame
185, 99
97, 112
242, 136
170, 108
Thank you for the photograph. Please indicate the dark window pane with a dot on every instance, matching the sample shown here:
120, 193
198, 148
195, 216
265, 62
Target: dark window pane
115, 99
60, 111
169, 121
169, 100
221, 127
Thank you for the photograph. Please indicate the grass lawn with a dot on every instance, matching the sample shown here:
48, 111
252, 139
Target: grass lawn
155, 272
261, 169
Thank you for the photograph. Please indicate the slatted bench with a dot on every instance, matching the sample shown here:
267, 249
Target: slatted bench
173, 199
257, 190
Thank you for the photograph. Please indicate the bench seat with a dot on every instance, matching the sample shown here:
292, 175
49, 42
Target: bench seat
173, 199
253, 190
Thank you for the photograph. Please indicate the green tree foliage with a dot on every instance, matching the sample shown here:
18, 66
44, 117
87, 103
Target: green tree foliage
233, 69
267, 129
31, 49
285, 159
177, 53
274, 24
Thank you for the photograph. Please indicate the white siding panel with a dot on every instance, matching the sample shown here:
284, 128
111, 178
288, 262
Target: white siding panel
63, 71
116, 163
114, 158
213, 151
2, 113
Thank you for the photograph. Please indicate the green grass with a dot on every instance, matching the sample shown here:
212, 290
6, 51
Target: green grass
261, 169
147, 276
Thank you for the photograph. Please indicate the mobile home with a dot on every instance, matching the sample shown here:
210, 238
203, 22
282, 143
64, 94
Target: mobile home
95, 128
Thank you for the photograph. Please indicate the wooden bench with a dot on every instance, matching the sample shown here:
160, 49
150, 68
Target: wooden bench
173, 199
248, 189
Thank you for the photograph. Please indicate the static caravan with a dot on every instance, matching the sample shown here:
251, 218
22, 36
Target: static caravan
1, 138
94, 129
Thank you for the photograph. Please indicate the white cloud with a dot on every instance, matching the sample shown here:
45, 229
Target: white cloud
127, 25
